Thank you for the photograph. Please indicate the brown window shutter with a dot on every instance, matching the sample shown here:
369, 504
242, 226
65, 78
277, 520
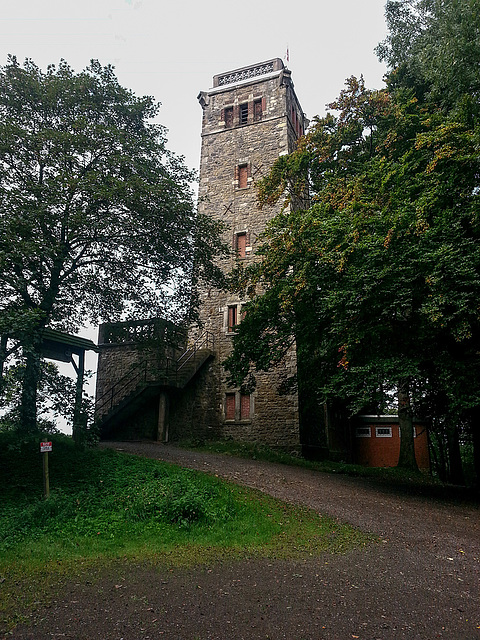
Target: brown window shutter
244, 407
232, 318
243, 176
228, 115
230, 406
241, 244
264, 105
257, 109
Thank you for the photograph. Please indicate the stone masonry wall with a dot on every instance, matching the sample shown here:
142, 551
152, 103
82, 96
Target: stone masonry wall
139, 348
238, 148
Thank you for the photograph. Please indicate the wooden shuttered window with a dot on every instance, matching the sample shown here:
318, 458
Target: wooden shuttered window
257, 109
244, 407
243, 113
243, 176
230, 406
228, 117
235, 401
232, 319
241, 245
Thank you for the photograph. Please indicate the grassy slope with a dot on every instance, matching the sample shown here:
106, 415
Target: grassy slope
106, 507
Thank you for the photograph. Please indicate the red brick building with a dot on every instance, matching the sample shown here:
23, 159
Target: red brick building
376, 442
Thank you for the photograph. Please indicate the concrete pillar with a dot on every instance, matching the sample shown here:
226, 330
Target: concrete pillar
162, 425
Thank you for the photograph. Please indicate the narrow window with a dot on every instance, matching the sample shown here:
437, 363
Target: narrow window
241, 245
232, 318
244, 407
362, 432
243, 176
383, 432
257, 110
244, 113
230, 406
229, 117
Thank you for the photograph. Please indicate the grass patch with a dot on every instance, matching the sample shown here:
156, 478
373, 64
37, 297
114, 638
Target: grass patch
107, 507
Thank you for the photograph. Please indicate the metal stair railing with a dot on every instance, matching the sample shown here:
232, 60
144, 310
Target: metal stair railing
121, 388
138, 374
205, 341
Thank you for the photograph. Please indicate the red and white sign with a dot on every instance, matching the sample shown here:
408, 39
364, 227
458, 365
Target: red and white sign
45, 447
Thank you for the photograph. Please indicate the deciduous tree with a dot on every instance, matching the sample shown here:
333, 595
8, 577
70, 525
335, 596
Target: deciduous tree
379, 279
96, 215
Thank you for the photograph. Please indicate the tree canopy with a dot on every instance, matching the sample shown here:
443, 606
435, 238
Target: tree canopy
373, 268
97, 219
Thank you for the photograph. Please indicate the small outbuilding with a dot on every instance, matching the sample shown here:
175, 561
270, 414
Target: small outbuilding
376, 442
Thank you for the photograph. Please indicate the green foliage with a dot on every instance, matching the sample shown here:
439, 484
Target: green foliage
103, 503
433, 46
107, 507
96, 215
377, 279
55, 397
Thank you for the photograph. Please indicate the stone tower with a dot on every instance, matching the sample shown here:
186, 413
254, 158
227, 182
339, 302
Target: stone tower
251, 116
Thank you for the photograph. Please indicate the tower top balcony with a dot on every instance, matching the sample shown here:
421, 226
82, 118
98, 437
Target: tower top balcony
247, 74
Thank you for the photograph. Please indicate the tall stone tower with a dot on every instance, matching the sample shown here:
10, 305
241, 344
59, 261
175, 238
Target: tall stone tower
251, 116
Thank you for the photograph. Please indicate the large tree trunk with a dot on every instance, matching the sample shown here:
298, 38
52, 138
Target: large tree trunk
476, 453
3, 357
28, 404
455, 475
407, 458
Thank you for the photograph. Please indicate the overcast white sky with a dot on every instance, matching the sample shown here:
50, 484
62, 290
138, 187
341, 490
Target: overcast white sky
171, 50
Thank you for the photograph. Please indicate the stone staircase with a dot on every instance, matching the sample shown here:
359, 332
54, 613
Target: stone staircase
141, 383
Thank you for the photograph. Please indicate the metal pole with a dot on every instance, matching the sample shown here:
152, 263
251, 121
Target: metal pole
46, 478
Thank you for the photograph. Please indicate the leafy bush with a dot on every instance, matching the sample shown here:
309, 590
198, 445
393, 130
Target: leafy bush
101, 493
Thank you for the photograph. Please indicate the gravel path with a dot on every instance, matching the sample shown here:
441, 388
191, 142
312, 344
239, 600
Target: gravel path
421, 581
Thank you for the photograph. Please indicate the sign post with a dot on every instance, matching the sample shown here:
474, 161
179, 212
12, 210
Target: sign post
45, 447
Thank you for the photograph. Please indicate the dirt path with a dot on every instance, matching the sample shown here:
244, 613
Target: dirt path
421, 581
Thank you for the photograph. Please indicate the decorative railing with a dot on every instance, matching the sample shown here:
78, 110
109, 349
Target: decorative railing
245, 74
142, 331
